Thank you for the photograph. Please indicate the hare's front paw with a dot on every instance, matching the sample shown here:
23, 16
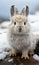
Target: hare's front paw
13, 53
25, 55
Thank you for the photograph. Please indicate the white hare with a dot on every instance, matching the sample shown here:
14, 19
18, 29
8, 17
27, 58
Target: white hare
20, 36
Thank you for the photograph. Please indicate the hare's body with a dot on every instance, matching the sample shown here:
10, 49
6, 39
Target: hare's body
20, 36
22, 41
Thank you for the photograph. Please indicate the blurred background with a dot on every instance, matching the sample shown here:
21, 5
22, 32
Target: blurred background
6, 4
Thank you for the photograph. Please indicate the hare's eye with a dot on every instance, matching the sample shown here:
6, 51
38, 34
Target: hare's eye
14, 23
24, 23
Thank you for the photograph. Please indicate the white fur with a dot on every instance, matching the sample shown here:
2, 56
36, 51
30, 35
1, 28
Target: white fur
24, 41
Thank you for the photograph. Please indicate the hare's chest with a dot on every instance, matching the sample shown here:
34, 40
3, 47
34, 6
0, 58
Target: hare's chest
21, 40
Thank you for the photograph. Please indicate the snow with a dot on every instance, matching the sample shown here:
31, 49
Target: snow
36, 57
4, 45
34, 18
3, 55
34, 22
3, 38
10, 60
5, 24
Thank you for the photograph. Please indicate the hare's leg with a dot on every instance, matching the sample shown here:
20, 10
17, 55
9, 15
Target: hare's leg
13, 52
25, 55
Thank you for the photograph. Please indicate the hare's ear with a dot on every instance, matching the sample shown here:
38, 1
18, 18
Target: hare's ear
14, 10
25, 11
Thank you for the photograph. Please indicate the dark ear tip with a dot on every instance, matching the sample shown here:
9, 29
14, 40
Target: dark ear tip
12, 10
27, 10
27, 7
12, 6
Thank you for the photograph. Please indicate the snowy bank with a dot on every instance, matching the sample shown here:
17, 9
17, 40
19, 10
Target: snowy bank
5, 24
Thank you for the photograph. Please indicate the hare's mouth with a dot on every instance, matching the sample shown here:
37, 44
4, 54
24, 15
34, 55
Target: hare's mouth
19, 33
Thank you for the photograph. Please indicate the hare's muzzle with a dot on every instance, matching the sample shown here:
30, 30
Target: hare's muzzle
19, 28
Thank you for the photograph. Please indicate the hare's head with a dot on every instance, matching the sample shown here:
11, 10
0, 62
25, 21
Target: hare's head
19, 20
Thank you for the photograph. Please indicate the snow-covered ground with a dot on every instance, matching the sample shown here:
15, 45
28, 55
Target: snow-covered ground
5, 24
34, 22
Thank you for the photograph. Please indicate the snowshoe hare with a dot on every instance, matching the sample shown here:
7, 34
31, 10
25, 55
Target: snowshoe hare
20, 36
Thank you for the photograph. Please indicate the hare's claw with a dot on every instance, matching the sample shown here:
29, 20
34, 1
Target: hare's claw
12, 53
25, 55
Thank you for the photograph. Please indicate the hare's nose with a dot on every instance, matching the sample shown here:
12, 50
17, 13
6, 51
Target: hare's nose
20, 28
